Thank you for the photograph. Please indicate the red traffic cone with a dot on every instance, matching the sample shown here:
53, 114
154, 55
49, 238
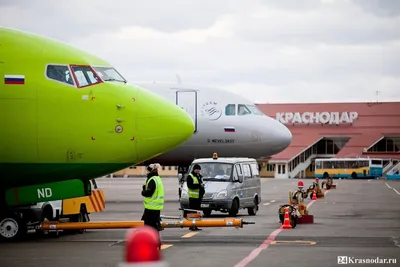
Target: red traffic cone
314, 195
286, 221
142, 248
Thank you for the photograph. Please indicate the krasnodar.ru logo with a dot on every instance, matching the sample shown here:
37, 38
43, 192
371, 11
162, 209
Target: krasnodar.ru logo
376, 260
342, 259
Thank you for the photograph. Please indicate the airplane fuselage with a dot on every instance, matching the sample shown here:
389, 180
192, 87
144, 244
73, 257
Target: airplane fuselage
62, 117
221, 125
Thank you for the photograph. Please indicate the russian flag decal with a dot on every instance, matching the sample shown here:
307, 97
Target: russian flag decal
229, 129
14, 79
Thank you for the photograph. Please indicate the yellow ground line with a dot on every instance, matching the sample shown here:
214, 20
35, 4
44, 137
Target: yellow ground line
311, 243
166, 246
190, 234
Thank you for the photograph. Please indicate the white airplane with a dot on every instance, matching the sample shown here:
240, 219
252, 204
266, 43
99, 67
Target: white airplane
225, 123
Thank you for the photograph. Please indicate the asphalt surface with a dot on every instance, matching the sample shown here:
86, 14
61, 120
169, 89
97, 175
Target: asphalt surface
359, 219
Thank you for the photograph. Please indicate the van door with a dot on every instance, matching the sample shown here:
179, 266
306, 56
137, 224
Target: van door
256, 183
240, 188
187, 100
247, 182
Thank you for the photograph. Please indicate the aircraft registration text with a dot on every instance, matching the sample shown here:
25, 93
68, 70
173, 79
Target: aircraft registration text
226, 141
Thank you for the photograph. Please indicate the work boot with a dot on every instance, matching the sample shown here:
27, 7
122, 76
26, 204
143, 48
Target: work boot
194, 228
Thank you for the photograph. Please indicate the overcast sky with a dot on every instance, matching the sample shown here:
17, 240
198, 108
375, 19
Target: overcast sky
268, 51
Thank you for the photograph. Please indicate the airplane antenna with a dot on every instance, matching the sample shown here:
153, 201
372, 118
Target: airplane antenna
178, 78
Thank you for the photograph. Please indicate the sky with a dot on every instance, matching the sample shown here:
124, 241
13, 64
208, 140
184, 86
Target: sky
269, 51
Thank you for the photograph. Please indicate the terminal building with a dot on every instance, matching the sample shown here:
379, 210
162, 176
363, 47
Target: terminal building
324, 130
334, 130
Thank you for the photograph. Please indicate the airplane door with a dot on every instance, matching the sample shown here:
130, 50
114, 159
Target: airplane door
187, 100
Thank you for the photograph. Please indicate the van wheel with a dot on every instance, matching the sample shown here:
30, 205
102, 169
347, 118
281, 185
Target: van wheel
253, 210
235, 208
354, 175
207, 213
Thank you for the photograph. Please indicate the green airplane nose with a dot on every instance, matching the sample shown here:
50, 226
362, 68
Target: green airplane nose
161, 125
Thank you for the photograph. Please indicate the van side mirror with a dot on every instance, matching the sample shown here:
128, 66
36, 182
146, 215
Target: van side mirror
240, 178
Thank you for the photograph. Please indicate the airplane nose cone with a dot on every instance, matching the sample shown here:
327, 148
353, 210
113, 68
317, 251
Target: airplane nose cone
283, 136
275, 137
161, 125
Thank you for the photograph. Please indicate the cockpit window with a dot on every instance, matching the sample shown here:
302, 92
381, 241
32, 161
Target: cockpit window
243, 110
85, 75
109, 74
59, 73
230, 110
254, 110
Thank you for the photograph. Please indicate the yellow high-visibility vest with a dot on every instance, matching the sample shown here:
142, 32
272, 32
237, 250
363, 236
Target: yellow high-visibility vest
194, 193
156, 201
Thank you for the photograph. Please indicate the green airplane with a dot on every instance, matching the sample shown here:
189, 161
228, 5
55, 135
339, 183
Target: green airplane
68, 115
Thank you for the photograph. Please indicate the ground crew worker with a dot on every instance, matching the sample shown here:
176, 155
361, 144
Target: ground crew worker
153, 192
195, 190
300, 192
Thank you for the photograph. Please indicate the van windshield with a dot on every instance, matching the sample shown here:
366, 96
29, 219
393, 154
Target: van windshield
214, 171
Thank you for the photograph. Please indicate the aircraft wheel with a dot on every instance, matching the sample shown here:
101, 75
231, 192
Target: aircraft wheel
12, 228
47, 216
81, 217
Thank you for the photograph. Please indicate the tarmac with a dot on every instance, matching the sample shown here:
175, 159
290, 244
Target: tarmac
360, 219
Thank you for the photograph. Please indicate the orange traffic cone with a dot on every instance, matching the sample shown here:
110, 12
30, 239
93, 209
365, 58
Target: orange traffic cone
314, 195
286, 221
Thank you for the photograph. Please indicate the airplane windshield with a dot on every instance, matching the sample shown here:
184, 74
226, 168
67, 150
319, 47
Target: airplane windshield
109, 74
243, 110
219, 172
254, 110
84, 75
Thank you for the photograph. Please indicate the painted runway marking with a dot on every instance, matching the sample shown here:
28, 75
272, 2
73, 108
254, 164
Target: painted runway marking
116, 243
266, 243
394, 189
188, 235
165, 246
300, 242
266, 204
395, 241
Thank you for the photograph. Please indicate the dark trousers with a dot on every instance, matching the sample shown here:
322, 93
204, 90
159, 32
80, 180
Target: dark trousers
195, 203
152, 218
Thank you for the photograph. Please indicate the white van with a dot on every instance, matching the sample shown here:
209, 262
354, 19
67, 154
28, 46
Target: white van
230, 184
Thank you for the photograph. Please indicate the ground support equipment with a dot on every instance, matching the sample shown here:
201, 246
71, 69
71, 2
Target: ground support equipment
192, 220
